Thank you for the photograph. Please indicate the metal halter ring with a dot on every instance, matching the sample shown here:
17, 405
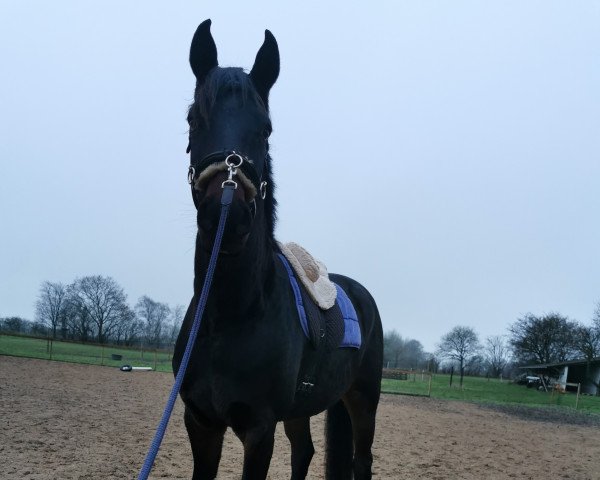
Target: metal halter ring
263, 190
191, 175
230, 164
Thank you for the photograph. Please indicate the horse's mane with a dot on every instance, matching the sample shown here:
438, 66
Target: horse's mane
205, 97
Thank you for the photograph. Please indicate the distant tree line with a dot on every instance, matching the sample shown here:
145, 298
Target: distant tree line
22, 325
554, 338
460, 347
95, 309
404, 353
531, 339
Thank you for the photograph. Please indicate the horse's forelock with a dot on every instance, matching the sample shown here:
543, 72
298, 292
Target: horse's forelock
206, 93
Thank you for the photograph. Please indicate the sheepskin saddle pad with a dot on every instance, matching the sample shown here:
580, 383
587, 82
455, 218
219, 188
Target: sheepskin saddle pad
326, 314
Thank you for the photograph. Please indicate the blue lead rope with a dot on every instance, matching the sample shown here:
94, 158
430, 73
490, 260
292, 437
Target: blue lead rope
226, 199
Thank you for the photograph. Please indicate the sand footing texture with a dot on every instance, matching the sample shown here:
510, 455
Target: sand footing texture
67, 421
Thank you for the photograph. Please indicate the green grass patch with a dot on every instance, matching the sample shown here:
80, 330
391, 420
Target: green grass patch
475, 389
482, 390
84, 353
411, 386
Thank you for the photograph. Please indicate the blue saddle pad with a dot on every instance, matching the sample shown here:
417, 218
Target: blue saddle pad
351, 336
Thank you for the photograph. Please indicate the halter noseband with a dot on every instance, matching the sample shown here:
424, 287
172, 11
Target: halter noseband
232, 161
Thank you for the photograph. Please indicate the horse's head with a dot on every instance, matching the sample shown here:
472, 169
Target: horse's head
230, 118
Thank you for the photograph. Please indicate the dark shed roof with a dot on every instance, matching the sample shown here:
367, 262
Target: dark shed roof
582, 361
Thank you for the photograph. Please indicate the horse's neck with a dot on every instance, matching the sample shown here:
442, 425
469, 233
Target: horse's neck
239, 282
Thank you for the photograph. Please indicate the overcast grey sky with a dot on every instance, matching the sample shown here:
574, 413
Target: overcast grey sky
445, 154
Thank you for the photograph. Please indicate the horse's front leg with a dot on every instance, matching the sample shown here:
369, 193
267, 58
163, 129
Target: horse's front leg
298, 433
206, 442
258, 443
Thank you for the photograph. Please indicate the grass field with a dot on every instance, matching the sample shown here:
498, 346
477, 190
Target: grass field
84, 353
482, 390
475, 389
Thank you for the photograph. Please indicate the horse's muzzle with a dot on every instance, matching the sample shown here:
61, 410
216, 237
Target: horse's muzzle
239, 223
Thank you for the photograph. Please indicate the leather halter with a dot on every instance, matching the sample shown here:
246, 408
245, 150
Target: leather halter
247, 167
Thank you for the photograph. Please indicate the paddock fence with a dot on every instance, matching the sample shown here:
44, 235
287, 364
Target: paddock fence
406, 382
415, 383
87, 353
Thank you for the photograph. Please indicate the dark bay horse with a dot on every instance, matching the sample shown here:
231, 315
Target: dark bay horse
251, 354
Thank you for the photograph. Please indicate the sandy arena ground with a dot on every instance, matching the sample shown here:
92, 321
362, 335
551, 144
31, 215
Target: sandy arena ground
65, 421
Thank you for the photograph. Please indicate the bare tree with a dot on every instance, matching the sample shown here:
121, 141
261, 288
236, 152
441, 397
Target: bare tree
392, 348
177, 314
102, 300
129, 328
432, 363
587, 340
546, 339
79, 323
50, 307
475, 365
154, 315
461, 344
413, 355
497, 354
592, 337
401, 352
13, 325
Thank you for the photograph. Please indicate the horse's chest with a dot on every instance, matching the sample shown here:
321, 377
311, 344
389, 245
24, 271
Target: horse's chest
241, 366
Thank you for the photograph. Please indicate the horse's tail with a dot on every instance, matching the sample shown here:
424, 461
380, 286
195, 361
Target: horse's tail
339, 444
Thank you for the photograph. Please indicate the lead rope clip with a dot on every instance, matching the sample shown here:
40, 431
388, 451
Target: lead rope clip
233, 162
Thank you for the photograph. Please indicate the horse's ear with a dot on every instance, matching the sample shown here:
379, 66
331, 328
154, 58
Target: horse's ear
203, 52
266, 66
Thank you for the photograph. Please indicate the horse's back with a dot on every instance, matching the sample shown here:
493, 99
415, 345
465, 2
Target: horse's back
364, 304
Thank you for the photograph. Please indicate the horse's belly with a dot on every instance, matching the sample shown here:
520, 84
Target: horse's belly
331, 379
